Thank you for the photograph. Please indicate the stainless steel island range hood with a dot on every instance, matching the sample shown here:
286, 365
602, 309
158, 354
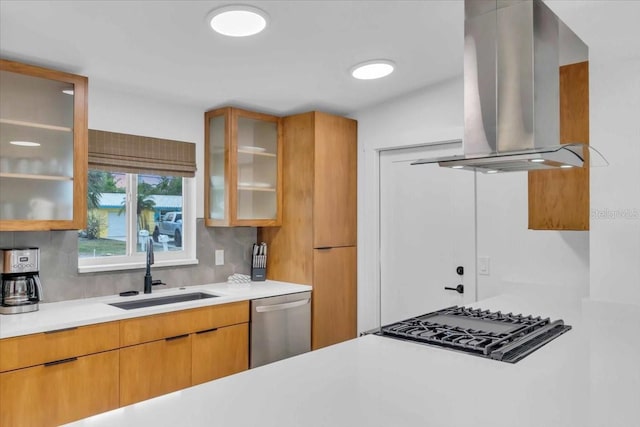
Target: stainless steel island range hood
512, 56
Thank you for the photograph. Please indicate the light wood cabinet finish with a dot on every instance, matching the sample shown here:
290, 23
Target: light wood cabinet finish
171, 351
319, 211
160, 326
559, 199
232, 201
219, 352
60, 393
31, 350
68, 374
335, 182
334, 302
80, 141
152, 369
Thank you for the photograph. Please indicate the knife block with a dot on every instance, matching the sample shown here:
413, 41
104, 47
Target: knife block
258, 274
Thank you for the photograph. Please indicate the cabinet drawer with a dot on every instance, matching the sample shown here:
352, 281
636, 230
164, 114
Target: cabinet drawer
155, 368
220, 352
31, 350
159, 326
50, 395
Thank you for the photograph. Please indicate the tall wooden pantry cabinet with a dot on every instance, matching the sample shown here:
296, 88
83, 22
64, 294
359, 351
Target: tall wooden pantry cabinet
316, 243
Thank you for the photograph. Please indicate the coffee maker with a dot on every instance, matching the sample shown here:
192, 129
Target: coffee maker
21, 290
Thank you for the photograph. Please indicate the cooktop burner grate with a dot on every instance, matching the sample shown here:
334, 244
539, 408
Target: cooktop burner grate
507, 337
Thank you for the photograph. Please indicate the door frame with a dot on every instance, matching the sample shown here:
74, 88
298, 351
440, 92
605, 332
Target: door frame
455, 145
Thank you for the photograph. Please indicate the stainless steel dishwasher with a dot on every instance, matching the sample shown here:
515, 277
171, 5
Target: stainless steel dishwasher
280, 327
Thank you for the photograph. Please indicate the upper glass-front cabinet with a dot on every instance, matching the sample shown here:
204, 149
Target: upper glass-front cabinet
43, 148
243, 168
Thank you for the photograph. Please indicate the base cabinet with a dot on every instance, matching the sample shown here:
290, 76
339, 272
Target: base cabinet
60, 392
171, 351
60, 376
217, 353
152, 369
334, 302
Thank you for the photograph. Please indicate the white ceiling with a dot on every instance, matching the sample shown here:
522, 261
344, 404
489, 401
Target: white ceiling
164, 49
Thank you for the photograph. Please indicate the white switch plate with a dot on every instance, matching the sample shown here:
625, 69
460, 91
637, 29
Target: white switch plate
483, 265
219, 257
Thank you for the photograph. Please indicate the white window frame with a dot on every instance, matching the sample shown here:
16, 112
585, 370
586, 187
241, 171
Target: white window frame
137, 260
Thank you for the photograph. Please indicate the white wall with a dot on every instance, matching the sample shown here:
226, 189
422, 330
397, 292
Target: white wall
118, 111
521, 260
615, 190
433, 114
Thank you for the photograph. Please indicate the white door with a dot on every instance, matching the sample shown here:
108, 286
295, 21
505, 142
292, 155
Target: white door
427, 230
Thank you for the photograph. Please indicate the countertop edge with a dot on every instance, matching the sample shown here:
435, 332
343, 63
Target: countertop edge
90, 311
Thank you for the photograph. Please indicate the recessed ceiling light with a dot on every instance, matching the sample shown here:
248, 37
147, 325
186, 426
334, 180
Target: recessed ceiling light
373, 69
537, 160
492, 171
67, 91
457, 167
237, 20
25, 143
566, 166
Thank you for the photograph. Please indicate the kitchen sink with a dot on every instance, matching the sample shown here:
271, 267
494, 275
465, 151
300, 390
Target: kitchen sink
150, 302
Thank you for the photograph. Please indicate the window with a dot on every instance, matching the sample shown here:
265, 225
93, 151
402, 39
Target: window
126, 212
140, 192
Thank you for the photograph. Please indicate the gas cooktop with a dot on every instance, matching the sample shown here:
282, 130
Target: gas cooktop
505, 337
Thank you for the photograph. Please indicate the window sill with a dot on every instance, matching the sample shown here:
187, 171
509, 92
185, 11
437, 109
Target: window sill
135, 265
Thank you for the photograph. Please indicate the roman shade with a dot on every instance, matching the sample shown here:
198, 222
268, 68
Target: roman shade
120, 152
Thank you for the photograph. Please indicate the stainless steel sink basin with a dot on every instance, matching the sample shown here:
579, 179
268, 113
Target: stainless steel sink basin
130, 305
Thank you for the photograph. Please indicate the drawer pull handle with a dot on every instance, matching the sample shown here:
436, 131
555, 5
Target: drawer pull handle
283, 306
207, 330
55, 331
60, 362
176, 337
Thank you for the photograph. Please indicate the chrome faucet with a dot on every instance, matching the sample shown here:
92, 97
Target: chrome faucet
148, 282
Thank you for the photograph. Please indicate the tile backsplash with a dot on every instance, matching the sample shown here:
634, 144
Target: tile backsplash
59, 262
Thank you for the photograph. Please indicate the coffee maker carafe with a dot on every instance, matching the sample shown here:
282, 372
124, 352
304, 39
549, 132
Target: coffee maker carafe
21, 290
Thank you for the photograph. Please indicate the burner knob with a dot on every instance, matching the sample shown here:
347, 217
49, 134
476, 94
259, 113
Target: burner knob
459, 289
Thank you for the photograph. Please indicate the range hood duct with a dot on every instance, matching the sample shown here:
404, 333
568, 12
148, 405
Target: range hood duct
512, 57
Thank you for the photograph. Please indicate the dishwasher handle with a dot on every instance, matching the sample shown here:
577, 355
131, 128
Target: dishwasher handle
283, 306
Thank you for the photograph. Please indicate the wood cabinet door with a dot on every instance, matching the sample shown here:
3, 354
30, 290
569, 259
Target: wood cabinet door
59, 392
334, 301
559, 199
155, 368
217, 353
335, 181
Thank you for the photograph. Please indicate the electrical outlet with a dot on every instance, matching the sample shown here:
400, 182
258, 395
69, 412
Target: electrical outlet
483, 265
219, 257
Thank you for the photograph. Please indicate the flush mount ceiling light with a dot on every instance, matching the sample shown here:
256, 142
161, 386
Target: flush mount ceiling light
375, 69
25, 143
237, 20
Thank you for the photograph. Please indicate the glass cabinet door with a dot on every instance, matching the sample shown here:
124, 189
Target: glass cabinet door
257, 169
39, 132
217, 168
243, 170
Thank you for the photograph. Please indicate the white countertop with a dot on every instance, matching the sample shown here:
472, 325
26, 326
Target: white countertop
67, 314
588, 377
